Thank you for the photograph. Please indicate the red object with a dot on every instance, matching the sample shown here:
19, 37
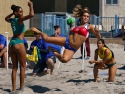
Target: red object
80, 30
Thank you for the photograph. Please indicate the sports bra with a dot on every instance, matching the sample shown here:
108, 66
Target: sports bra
81, 30
102, 55
16, 27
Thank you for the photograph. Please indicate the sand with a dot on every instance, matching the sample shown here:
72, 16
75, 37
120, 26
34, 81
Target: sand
68, 80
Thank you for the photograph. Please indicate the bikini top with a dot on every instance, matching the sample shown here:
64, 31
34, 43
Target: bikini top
102, 55
16, 27
81, 30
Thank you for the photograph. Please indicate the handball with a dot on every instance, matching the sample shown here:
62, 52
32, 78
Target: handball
70, 21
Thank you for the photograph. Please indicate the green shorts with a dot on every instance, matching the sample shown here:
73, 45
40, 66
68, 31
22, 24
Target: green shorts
15, 41
110, 65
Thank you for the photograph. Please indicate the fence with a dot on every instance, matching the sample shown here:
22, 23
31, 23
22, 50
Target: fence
104, 24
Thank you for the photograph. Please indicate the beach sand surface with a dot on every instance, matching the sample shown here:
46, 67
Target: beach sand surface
68, 80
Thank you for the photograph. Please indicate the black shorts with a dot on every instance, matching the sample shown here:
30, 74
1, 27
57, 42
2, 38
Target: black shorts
40, 66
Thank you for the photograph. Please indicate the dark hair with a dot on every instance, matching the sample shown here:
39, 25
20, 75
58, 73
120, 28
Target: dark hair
15, 8
103, 42
56, 27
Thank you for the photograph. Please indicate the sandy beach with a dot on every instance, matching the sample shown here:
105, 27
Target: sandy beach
68, 80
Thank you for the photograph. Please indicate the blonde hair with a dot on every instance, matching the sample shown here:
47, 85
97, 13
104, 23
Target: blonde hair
78, 11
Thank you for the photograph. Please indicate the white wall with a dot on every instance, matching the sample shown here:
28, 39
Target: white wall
112, 10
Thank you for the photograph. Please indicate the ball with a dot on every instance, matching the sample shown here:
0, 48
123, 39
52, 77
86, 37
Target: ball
70, 21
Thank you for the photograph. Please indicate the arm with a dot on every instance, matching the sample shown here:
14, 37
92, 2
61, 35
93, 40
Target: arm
8, 18
73, 36
31, 13
2, 42
106, 53
1, 46
95, 58
95, 31
45, 50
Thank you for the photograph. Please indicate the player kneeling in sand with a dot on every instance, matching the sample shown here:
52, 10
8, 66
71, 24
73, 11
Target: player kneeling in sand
108, 61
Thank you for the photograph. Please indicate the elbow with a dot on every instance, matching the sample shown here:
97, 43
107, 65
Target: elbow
6, 19
32, 15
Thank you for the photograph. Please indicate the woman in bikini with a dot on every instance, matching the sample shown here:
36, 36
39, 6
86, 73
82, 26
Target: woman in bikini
76, 37
108, 61
16, 45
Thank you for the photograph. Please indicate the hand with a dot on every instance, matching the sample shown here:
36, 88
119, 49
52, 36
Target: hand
96, 29
32, 46
50, 48
30, 4
92, 61
105, 66
34, 30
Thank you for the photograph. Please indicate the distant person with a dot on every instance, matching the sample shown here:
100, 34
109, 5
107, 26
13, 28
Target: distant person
57, 32
122, 28
3, 51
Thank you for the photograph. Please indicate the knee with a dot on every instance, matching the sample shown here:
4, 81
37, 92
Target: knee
14, 68
49, 61
96, 67
5, 54
64, 60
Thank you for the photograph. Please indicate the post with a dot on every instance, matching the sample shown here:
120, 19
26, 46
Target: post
83, 56
42, 22
112, 31
116, 23
62, 50
7, 47
53, 23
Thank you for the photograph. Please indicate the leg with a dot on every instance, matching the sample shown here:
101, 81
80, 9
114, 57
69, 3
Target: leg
3, 51
5, 58
22, 60
38, 68
81, 49
15, 66
50, 63
54, 40
95, 71
112, 73
65, 57
87, 46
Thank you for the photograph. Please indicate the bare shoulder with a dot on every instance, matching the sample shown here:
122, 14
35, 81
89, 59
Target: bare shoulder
90, 26
107, 51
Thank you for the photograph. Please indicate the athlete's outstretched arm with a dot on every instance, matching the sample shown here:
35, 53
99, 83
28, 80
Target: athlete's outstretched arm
95, 31
31, 13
